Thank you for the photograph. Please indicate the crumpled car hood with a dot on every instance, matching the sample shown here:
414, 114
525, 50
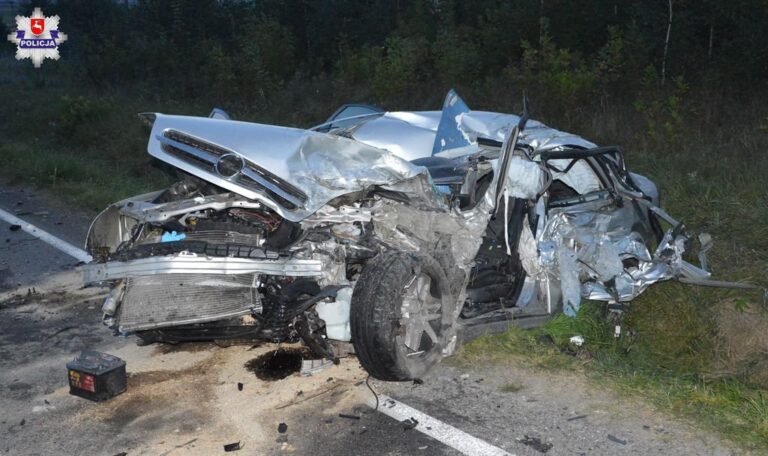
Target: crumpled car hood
321, 165
325, 166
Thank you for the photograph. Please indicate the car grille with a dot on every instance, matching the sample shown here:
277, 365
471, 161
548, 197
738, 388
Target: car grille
205, 155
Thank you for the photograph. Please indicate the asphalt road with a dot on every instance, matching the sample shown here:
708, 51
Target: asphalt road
185, 399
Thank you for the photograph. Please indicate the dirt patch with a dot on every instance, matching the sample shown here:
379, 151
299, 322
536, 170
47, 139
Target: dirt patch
157, 396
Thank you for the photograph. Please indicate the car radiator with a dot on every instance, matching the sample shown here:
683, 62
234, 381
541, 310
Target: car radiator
165, 300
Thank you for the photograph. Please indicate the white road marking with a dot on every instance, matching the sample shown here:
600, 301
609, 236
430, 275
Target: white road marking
438, 430
46, 237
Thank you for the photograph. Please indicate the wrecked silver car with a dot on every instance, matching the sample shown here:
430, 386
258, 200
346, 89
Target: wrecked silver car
397, 232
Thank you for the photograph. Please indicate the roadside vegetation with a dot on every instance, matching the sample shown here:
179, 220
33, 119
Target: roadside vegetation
690, 112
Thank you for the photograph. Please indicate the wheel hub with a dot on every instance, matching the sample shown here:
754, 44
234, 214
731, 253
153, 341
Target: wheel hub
420, 314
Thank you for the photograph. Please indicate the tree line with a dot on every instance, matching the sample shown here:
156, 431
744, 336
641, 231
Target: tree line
578, 51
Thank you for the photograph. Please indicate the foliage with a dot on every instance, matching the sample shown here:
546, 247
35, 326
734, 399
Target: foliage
401, 69
78, 115
664, 109
245, 51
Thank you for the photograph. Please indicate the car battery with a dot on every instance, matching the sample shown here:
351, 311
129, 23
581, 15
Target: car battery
96, 376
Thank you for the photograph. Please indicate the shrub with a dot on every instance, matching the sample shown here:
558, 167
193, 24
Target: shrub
404, 65
77, 118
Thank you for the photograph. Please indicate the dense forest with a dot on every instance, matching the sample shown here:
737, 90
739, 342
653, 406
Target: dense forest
574, 52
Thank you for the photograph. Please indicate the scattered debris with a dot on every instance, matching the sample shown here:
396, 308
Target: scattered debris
122, 453
613, 438
578, 417
229, 447
239, 386
577, 340
418, 381
14, 227
350, 417
282, 428
410, 423
23, 422
535, 443
314, 366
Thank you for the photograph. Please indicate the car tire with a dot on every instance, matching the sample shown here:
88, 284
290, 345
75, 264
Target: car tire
396, 297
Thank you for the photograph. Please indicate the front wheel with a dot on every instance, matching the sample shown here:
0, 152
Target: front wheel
402, 316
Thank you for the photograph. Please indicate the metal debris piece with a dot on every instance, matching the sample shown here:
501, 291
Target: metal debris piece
229, 447
310, 367
535, 443
410, 423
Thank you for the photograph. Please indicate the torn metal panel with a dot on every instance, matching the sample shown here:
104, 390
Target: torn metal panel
598, 250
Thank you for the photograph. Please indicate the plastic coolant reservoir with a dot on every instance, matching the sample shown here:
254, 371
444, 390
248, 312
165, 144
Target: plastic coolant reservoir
336, 315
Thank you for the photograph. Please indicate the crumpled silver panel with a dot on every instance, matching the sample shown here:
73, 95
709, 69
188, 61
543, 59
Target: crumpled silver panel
597, 250
321, 165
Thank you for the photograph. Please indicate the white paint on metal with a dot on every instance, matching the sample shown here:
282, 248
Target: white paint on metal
46, 237
438, 430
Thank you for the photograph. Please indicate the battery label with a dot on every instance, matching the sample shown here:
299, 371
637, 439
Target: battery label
82, 381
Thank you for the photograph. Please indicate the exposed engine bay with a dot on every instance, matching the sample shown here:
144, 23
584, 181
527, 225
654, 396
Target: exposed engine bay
390, 235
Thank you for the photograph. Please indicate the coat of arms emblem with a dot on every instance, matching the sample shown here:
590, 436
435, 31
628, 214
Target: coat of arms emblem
37, 37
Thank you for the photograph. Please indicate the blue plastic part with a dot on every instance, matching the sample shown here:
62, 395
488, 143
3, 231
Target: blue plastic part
172, 236
448, 135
